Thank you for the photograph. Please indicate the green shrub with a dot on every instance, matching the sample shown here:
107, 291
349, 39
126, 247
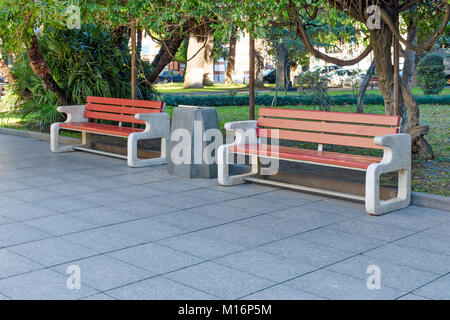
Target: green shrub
311, 83
430, 74
266, 100
84, 63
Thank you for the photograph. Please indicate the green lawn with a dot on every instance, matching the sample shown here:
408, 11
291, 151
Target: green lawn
168, 88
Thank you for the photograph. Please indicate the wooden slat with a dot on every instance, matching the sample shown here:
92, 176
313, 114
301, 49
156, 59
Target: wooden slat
100, 128
330, 116
127, 102
361, 130
111, 116
307, 155
118, 109
319, 138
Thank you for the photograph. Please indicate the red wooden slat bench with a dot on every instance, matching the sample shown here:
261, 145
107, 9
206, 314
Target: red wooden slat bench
325, 128
119, 113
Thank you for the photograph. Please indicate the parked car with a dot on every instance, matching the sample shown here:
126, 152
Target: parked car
270, 76
170, 76
342, 77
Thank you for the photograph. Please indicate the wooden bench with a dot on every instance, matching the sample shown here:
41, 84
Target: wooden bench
122, 116
325, 128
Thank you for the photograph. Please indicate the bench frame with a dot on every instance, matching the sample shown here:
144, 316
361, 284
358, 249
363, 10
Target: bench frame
396, 157
157, 125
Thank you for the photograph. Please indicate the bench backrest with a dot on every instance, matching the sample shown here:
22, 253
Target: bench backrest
324, 127
121, 110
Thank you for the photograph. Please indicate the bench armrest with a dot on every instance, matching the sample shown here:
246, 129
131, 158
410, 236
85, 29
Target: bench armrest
157, 125
397, 149
245, 131
243, 125
75, 113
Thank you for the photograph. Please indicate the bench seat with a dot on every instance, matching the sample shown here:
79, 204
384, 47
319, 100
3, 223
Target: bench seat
101, 128
306, 155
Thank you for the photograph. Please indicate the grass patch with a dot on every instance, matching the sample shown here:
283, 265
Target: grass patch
178, 88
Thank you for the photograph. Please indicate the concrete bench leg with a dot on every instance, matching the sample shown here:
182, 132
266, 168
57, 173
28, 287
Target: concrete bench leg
132, 157
54, 140
224, 171
374, 205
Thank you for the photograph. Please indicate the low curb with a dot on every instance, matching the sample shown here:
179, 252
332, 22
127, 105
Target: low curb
38, 135
417, 198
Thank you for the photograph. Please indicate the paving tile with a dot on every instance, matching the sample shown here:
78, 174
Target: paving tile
411, 296
12, 264
66, 204
266, 265
441, 231
429, 213
59, 224
201, 246
438, 289
105, 273
16, 233
52, 251
33, 194
392, 275
412, 257
143, 208
427, 241
209, 194
70, 188
219, 280
102, 216
239, 233
155, 258
291, 197
105, 197
341, 240
42, 285
247, 189
175, 200
307, 252
281, 292
138, 192
25, 211
174, 185
99, 296
278, 225
402, 219
224, 212
40, 181
263, 206
102, 240
159, 288
372, 230
188, 220
345, 208
146, 229
3, 297
11, 186
334, 285
9, 201
4, 220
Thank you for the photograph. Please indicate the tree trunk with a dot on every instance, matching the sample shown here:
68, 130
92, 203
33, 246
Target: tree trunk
410, 55
259, 64
11, 78
208, 65
164, 56
382, 42
364, 85
41, 69
118, 36
282, 66
193, 77
139, 43
231, 60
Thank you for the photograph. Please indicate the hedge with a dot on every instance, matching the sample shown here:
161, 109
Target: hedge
266, 100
